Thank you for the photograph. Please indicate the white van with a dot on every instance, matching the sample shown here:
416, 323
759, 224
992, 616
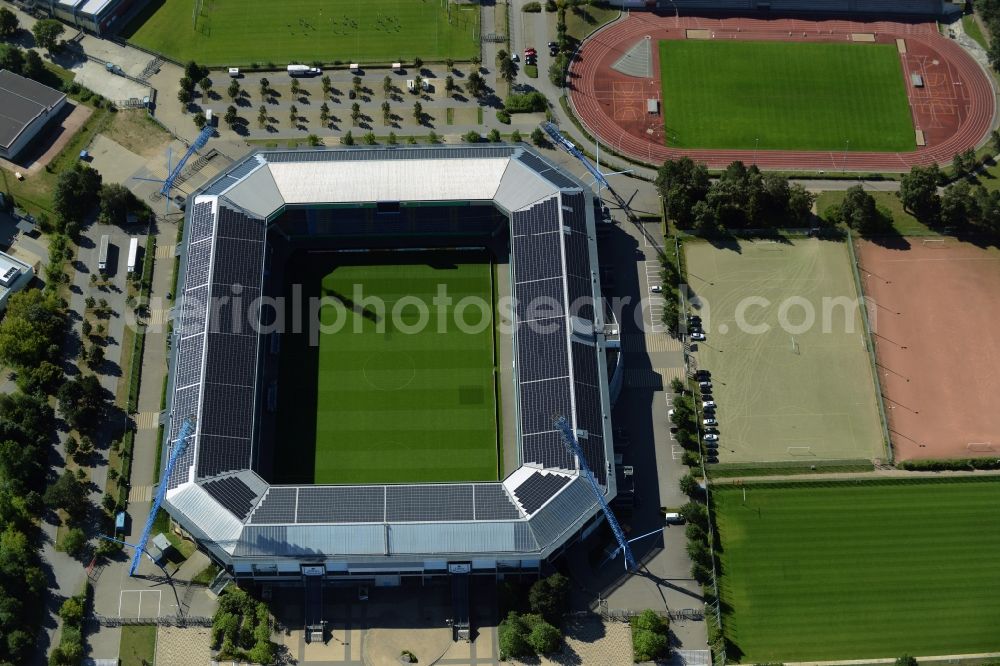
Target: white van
673, 519
234, 72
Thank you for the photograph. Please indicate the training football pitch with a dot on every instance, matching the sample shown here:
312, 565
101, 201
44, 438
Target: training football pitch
786, 349
857, 570
784, 96
394, 400
232, 32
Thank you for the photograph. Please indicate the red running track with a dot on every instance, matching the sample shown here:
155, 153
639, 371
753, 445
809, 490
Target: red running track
955, 109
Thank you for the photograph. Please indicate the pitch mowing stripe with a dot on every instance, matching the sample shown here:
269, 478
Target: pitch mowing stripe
779, 95
397, 407
861, 571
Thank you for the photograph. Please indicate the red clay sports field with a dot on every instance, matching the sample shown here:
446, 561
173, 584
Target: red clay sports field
954, 109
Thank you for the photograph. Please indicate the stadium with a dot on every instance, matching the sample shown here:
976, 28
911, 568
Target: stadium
387, 453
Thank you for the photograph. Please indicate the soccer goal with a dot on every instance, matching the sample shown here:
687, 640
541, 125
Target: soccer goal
801, 451
795, 345
934, 243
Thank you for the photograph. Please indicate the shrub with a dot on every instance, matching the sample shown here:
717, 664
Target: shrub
544, 638
648, 646
493, 136
955, 464
472, 136
347, 139
532, 7
503, 117
525, 102
512, 636
548, 597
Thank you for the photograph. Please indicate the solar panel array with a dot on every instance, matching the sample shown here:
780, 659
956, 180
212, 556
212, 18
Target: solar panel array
399, 504
546, 171
538, 488
229, 391
233, 494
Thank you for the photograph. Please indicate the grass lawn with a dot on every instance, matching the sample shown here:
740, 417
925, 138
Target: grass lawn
808, 96
788, 389
392, 401
138, 645
581, 20
229, 32
904, 223
972, 29
860, 570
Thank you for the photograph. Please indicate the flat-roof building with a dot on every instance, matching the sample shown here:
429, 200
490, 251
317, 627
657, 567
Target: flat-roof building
14, 276
26, 107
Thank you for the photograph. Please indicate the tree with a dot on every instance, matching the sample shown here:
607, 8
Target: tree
184, 97
449, 64
76, 192
34, 68
392, 140
262, 116
234, 89
324, 114
477, 61
47, 33
418, 113
9, 25
66, 493
231, 117
74, 542
347, 139
206, 84
682, 183
537, 136
649, 646
81, 400
515, 136
265, 87
918, 192
544, 638
677, 386
34, 320
695, 512
472, 136
512, 637
493, 136
11, 58
475, 84
858, 211
689, 485
356, 85
508, 71
995, 141
418, 84
355, 112
386, 113
449, 84
418, 63
115, 203
295, 87
958, 205
548, 597
194, 71
800, 203
293, 115
906, 660
431, 138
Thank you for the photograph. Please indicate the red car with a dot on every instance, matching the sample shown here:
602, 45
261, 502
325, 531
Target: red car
530, 52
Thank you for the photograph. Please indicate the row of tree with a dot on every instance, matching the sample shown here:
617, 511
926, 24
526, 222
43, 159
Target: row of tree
741, 197
522, 634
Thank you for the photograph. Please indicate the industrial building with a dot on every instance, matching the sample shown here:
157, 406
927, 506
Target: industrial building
26, 107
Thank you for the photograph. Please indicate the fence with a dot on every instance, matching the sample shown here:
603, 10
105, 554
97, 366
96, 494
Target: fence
870, 345
161, 621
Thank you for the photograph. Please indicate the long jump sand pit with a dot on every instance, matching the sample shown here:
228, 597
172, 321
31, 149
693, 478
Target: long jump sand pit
935, 320
786, 348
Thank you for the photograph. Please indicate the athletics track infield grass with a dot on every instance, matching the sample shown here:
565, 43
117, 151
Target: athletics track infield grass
231, 33
856, 570
784, 96
390, 406
786, 391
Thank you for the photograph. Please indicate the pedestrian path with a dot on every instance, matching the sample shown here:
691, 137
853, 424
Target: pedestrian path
147, 420
140, 494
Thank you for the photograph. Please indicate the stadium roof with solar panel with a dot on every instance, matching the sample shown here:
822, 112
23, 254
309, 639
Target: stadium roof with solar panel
249, 231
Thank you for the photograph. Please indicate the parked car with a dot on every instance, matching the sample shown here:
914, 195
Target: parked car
710, 437
702, 375
656, 289
697, 336
712, 460
708, 404
709, 421
705, 386
552, 45
673, 519
530, 51
514, 57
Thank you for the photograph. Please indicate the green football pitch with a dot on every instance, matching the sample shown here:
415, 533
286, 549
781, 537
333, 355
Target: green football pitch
384, 399
784, 96
232, 32
859, 570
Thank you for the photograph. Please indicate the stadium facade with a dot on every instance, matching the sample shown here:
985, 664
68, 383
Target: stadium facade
221, 365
